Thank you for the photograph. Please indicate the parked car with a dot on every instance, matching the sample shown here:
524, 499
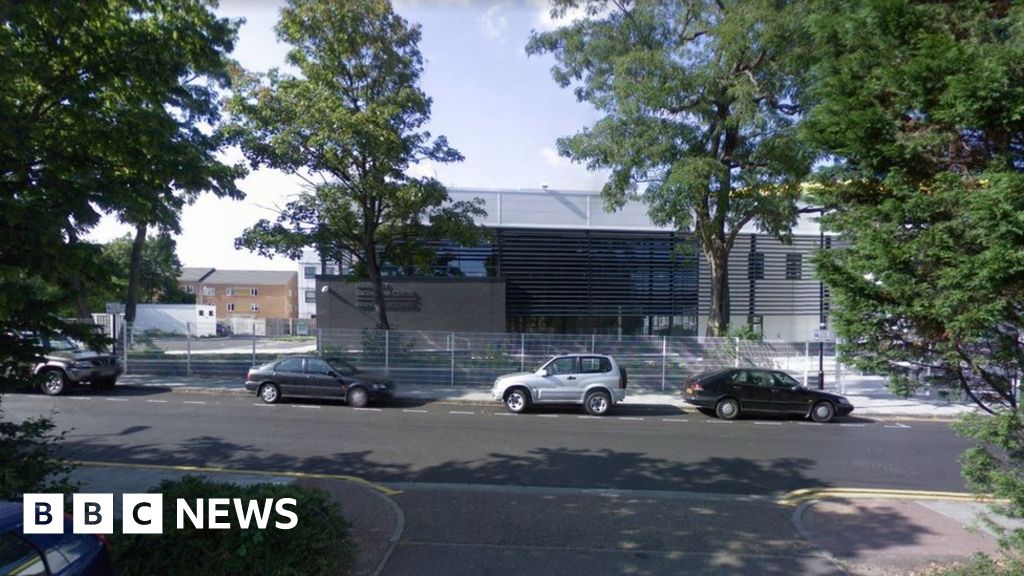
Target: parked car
594, 380
730, 392
314, 377
67, 362
65, 554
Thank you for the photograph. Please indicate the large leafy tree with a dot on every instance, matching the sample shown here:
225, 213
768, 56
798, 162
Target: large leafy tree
158, 271
350, 125
699, 104
921, 105
105, 107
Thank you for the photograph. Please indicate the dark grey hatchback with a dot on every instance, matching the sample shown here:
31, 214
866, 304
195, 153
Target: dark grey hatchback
732, 391
314, 377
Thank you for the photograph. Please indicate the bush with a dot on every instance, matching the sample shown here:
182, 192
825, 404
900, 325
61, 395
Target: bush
319, 544
982, 565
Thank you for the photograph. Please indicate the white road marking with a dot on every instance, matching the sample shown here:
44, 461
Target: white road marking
674, 420
415, 411
897, 425
78, 398
461, 412
589, 417
505, 414
630, 418
767, 423
264, 404
365, 409
157, 401
193, 402
854, 425
718, 421
118, 400
547, 415
306, 407
809, 424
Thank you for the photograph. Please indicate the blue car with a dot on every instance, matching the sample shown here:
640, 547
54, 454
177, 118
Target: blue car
49, 554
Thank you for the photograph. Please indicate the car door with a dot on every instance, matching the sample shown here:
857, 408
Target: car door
321, 379
289, 376
757, 392
560, 383
787, 394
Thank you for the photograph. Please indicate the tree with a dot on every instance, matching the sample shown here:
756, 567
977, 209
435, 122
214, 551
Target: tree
922, 106
350, 126
158, 270
699, 105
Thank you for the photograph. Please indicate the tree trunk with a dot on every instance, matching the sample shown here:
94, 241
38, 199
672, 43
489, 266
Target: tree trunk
133, 273
77, 286
373, 271
717, 256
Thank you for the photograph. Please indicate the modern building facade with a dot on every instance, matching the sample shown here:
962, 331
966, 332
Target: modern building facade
244, 293
310, 265
561, 263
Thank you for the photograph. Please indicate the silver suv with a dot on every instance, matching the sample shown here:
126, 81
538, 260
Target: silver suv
594, 380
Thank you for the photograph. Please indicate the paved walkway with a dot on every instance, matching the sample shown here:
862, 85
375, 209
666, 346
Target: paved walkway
864, 535
868, 395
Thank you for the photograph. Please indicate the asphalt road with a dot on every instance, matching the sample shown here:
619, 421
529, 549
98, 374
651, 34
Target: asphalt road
443, 444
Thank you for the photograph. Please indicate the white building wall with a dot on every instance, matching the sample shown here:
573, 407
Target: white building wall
307, 281
198, 319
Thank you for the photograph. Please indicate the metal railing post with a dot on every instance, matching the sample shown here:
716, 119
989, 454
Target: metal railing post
188, 349
593, 337
254, 344
664, 360
387, 349
737, 362
125, 326
452, 379
522, 352
807, 361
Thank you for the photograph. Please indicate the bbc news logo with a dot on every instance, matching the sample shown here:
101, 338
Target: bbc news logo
143, 513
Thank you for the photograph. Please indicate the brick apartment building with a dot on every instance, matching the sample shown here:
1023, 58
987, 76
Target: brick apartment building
244, 293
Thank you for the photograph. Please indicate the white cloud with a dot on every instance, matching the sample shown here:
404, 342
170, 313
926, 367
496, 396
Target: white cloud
544, 21
553, 159
422, 169
493, 22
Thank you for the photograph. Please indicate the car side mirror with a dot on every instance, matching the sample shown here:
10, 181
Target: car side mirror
542, 372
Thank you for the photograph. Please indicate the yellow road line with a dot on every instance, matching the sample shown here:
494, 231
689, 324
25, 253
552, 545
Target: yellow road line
218, 470
805, 494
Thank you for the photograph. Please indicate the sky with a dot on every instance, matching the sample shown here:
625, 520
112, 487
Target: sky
499, 107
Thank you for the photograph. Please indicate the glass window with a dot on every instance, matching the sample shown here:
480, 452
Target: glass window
783, 380
231, 307
794, 266
309, 272
758, 378
190, 289
755, 267
289, 365
564, 365
738, 377
254, 308
317, 366
229, 291
19, 557
209, 291
594, 365
310, 295
254, 292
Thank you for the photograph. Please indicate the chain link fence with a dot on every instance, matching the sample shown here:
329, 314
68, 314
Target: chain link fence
476, 359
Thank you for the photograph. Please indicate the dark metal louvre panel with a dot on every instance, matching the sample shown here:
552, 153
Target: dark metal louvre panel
594, 273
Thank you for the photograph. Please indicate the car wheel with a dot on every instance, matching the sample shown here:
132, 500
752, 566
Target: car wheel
727, 409
517, 400
823, 411
270, 393
597, 403
357, 397
104, 383
54, 381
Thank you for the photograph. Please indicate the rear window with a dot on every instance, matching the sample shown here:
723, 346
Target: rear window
289, 365
19, 557
595, 364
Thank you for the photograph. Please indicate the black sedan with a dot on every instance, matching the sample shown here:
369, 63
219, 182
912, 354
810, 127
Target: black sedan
732, 391
314, 377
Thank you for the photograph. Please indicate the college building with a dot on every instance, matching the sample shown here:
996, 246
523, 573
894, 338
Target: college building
558, 262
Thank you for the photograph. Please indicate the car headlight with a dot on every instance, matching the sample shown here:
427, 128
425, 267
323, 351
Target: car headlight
81, 365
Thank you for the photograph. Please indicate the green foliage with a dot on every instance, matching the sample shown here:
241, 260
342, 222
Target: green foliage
319, 544
982, 565
159, 269
29, 460
922, 107
350, 125
699, 101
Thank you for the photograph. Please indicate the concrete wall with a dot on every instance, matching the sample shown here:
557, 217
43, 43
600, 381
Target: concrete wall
457, 304
175, 319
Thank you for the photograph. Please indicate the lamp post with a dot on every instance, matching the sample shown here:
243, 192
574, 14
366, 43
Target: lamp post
822, 320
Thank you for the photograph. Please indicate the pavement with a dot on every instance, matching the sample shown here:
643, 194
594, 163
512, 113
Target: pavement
403, 529
868, 395
859, 532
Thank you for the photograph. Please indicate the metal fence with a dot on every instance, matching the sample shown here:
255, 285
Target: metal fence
475, 359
